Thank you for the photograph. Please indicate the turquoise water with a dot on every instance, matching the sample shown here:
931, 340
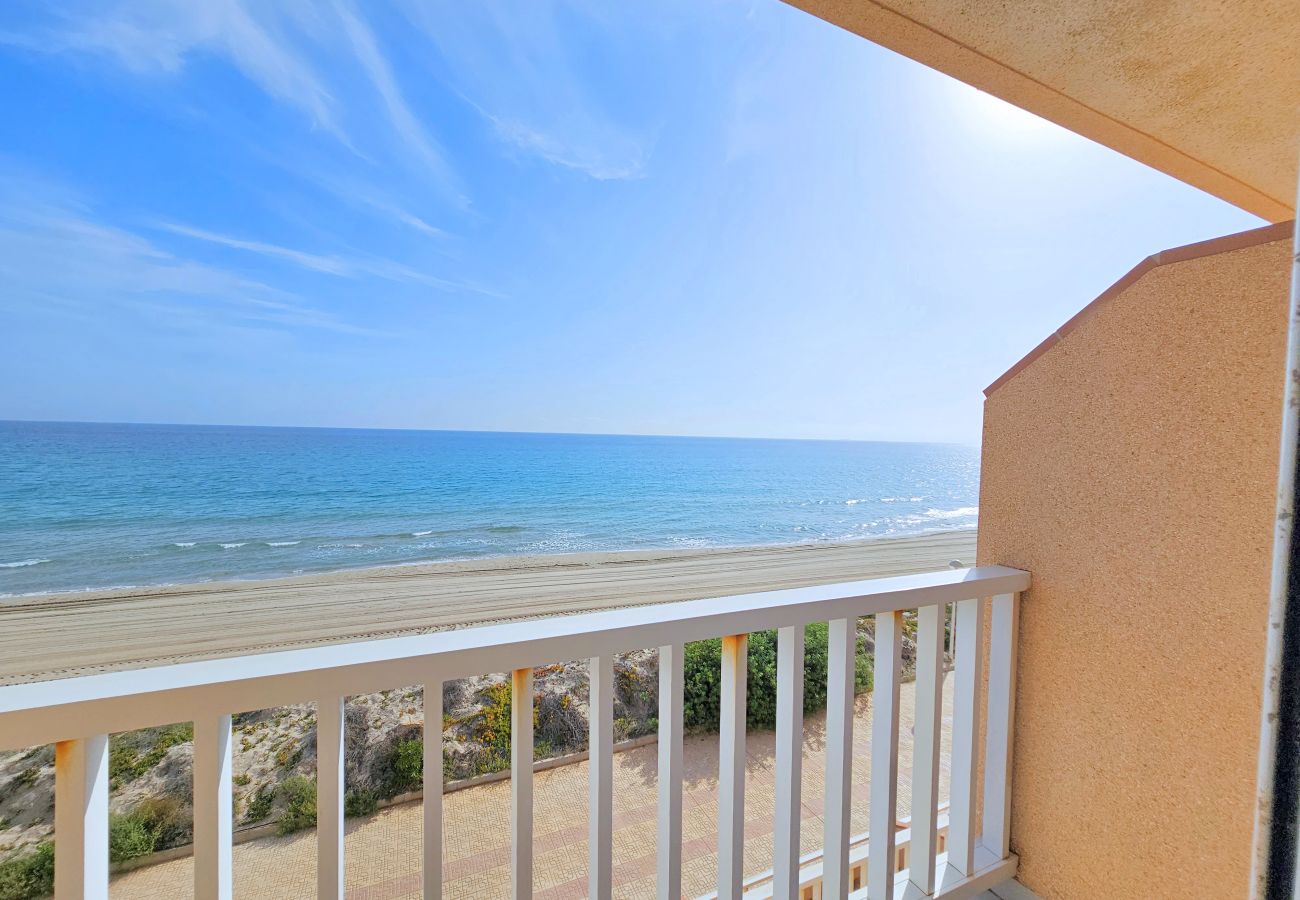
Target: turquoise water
89, 506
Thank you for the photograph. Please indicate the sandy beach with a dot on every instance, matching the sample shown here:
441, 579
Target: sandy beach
64, 635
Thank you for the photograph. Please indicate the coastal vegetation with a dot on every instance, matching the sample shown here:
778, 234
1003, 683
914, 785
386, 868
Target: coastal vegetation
155, 823
28, 875
299, 793
702, 667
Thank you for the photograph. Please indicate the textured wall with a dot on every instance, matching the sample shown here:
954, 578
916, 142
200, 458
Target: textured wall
1130, 467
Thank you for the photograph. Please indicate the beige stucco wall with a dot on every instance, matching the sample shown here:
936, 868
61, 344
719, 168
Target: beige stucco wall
1130, 468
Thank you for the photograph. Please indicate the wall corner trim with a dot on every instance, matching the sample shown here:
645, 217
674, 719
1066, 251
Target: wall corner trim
1226, 244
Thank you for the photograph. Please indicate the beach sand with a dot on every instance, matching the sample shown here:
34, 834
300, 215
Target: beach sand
64, 635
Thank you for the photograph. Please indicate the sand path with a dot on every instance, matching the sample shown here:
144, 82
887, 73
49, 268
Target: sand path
63, 635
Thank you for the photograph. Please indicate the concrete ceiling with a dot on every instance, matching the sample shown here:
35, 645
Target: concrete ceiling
1207, 91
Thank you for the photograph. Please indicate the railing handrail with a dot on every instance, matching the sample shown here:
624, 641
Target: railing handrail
78, 714
68, 708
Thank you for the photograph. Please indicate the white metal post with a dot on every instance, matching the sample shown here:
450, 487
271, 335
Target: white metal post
669, 850
789, 762
521, 784
925, 746
1004, 628
600, 769
840, 671
965, 735
432, 865
81, 819
731, 767
329, 797
213, 801
884, 755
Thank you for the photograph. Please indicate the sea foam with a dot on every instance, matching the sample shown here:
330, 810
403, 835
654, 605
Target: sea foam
958, 513
22, 563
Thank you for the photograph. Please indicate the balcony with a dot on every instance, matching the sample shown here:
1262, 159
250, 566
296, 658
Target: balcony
956, 853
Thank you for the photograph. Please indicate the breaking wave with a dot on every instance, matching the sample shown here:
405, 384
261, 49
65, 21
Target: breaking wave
22, 563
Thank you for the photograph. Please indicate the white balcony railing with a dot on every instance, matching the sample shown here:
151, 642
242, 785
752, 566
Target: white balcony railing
78, 714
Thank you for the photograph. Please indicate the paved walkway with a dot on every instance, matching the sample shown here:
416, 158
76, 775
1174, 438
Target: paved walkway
383, 851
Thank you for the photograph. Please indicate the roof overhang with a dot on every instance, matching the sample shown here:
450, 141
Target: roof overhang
1206, 92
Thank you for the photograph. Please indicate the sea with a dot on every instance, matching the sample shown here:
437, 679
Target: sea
89, 506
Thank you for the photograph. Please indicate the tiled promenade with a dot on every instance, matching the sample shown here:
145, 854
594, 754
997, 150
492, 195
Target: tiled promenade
383, 851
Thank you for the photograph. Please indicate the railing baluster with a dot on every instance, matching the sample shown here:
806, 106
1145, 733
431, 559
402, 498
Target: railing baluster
842, 652
600, 768
432, 867
925, 746
669, 851
789, 762
731, 767
329, 797
521, 784
965, 731
884, 754
1004, 627
81, 818
212, 808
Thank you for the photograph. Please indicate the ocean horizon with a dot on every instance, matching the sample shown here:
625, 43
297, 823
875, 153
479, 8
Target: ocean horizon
87, 506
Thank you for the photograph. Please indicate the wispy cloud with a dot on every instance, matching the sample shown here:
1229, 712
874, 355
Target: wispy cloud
158, 36
306, 55
328, 264
598, 163
360, 194
357, 266
523, 74
55, 252
380, 73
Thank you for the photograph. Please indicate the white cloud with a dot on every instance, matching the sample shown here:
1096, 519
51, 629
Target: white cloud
162, 35
377, 68
342, 267
599, 163
522, 73
307, 55
363, 195
328, 264
55, 253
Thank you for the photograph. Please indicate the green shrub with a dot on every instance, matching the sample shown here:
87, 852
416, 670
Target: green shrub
129, 836
28, 876
490, 729
155, 824
493, 730
407, 765
288, 756
133, 753
702, 676
300, 809
360, 803
259, 805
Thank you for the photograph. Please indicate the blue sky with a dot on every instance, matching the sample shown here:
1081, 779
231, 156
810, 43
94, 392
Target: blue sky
722, 218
